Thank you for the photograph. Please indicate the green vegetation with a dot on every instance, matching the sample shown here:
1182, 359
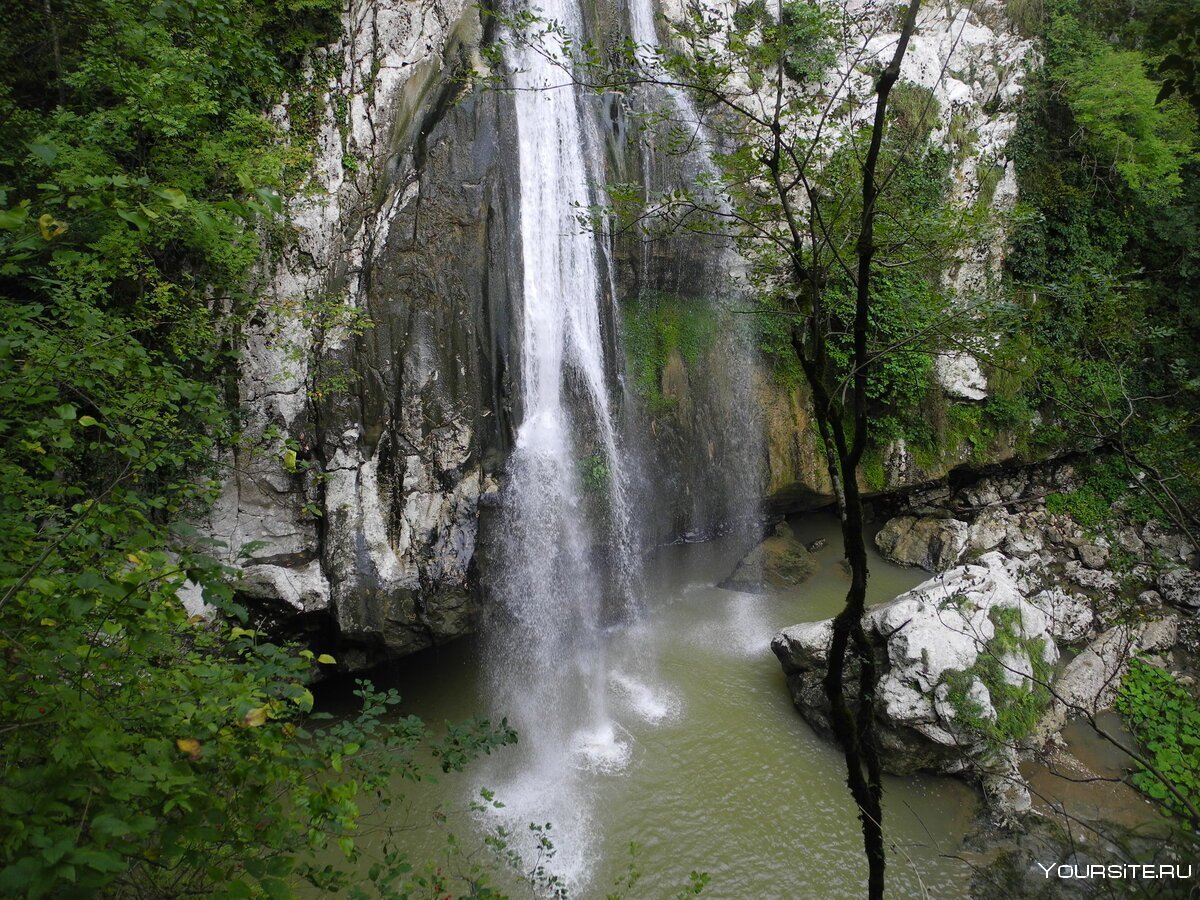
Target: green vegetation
1165, 718
657, 325
594, 473
145, 752
1103, 483
1105, 249
1018, 706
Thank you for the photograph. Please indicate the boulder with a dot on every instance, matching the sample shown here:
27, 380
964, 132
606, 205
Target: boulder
779, 562
1071, 616
988, 531
932, 544
1090, 681
955, 652
1174, 547
1180, 587
1093, 556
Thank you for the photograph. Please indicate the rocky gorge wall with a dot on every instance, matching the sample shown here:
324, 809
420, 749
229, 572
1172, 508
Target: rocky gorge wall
378, 426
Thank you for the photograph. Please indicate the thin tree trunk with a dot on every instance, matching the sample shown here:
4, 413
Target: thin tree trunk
855, 728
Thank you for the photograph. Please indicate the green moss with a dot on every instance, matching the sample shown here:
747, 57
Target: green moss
913, 109
655, 325
594, 473
965, 426
873, 474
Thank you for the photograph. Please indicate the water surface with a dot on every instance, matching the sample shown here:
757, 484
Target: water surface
707, 766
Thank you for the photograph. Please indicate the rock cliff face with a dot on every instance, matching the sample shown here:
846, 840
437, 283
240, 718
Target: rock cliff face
384, 365
384, 368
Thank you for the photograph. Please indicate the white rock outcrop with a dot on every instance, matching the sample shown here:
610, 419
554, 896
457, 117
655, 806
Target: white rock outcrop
942, 650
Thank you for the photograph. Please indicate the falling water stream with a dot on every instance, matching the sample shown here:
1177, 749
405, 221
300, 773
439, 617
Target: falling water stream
563, 571
720, 772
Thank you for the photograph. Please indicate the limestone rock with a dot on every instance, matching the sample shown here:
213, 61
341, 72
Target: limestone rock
1070, 615
1174, 547
959, 375
941, 641
1090, 681
932, 544
988, 531
1093, 556
1180, 587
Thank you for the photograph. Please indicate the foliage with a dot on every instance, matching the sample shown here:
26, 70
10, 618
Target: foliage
1113, 104
1164, 717
146, 751
594, 473
1105, 258
801, 40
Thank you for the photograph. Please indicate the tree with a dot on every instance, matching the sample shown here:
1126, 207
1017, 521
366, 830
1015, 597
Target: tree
145, 751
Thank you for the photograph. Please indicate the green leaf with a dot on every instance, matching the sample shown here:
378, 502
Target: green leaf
44, 152
177, 198
326, 659
12, 219
135, 218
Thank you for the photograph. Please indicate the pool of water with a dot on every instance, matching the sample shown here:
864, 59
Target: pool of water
706, 764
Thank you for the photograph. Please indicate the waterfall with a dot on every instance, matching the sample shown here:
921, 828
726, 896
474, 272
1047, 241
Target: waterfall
730, 500
567, 550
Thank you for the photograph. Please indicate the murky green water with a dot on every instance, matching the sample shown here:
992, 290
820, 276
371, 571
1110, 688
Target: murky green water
722, 774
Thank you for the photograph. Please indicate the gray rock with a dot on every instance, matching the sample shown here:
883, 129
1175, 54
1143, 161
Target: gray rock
1174, 547
1070, 616
959, 375
1090, 579
1093, 556
988, 531
1180, 587
932, 544
779, 562
933, 637
1128, 540
1090, 681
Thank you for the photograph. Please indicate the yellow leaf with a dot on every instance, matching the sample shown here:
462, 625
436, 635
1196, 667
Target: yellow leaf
190, 746
50, 227
326, 659
49, 623
256, 717
289, 460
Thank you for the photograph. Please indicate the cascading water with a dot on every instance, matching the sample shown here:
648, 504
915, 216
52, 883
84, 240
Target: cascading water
567, 556
734, 476
568, 561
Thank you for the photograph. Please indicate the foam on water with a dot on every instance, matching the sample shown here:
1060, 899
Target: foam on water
654, 705
605, 750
